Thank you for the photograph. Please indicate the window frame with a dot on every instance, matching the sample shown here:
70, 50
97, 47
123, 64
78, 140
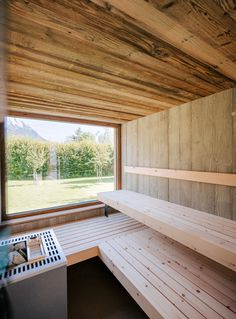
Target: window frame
54, 209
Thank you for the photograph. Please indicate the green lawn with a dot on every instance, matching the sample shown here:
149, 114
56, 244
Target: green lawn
25, 195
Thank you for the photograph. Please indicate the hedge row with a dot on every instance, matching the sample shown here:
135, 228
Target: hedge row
28, 159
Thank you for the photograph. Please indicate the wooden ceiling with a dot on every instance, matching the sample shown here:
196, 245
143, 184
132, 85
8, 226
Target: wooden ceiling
117, 60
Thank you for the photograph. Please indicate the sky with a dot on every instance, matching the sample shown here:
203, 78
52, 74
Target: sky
59, 131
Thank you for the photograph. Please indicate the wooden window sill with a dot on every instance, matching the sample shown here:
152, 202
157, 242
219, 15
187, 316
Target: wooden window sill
23, 224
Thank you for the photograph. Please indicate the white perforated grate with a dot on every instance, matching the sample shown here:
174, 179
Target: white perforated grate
54, 257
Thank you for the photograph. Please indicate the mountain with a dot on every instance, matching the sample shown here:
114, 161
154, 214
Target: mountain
17, 127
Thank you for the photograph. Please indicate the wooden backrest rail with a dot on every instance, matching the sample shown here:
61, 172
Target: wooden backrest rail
194, 176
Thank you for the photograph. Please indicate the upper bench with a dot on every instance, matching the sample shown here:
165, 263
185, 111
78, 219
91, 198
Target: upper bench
210, 235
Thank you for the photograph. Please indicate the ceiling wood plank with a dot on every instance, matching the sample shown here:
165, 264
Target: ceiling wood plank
170, 31
117, 60
229, 6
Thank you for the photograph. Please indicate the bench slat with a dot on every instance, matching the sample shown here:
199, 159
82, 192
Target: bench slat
80, 240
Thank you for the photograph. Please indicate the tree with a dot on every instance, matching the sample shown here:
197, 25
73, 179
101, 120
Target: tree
19, 165
106, 137
101, 159
80, 136
37, 156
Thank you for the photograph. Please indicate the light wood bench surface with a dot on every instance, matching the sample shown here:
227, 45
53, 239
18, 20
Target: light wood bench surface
210, 235
79, 240
167, 279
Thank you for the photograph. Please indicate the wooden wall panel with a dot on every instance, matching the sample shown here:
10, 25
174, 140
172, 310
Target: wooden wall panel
2, 105
223, 154
180, 152
132, 154
144, 133
198, 136
158, 125
203, 144
123, 153
234, 149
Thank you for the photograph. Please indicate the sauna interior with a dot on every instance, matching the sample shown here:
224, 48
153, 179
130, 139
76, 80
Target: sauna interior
118, 159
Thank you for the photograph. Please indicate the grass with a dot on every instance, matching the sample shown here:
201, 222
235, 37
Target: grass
25, 195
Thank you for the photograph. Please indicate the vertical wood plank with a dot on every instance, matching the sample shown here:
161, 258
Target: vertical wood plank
162, 139
185, 152
222, 104
234, 151
132, 154
203, 144
154, 122
2, 107
144, 132
174, 152
123, 154
180, 151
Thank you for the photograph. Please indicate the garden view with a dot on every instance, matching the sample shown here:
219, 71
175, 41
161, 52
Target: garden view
43, 173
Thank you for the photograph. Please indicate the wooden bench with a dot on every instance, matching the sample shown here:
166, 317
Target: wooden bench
166, 278
210, 235
79, 240
169, 280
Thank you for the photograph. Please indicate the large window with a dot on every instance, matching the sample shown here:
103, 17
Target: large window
52, 163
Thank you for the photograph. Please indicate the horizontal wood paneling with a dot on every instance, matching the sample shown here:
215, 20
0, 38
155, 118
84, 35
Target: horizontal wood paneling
114, 61
200, 137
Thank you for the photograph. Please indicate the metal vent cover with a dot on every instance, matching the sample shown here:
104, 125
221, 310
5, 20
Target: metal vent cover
54, 258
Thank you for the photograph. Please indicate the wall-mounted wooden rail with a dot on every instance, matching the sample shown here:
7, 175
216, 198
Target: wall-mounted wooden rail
194, 176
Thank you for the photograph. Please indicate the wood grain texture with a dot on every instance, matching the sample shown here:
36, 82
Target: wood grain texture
123, 155
109, 61
179, 35
200, 137
193, 176
131, 153
2, 104
80, 239
51, 219
143, 133
168, 280
202, 232
234, 150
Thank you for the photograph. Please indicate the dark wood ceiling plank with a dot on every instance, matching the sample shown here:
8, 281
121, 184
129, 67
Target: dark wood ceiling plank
116, 59
54, 93
229, 6
89, 84
106, 64
167, 29
27, 100
62, 107
205, 20
83, 88
76, 52
100, 29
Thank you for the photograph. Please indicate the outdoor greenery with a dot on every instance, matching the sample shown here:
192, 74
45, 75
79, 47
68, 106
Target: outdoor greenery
24, 195
44, 174
82, 156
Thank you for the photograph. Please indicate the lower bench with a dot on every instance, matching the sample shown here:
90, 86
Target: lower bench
169, 280
210, 235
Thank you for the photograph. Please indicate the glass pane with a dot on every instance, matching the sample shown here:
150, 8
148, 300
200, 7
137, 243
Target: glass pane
55, 163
